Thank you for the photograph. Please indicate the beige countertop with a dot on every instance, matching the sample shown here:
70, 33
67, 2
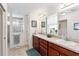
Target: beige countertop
73, 46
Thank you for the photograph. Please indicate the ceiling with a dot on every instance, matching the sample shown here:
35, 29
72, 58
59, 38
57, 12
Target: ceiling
27, 8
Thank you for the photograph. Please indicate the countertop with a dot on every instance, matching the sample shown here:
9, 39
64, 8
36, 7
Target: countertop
73, 46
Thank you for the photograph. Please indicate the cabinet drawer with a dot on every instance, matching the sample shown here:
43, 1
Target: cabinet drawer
43, 41
43, 51
52, 52
44, 45
63, 50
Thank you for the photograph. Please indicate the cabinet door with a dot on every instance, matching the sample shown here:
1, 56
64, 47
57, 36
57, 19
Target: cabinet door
52, 52
43, 51
63, 51
33, 42
36, 43
62, 54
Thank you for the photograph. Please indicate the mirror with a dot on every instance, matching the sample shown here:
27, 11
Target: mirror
52, 25
49, 25
43, 25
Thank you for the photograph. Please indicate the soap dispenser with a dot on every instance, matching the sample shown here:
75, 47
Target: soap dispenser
62, 37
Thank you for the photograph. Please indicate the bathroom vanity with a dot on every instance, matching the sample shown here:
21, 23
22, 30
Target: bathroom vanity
54, 46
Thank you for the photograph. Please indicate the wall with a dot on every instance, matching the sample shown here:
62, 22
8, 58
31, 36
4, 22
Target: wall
71, 19
36, 18
27, 30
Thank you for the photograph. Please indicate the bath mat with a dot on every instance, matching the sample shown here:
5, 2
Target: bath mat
32, 52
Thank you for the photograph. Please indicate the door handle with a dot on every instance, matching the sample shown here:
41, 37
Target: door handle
4, 38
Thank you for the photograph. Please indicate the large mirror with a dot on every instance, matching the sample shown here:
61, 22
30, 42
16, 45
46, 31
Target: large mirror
52, 25
43, 25
49, 25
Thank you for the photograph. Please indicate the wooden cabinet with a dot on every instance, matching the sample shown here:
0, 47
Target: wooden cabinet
62, 51
43, 47
46, 48
43, 51
36, 43
52, 52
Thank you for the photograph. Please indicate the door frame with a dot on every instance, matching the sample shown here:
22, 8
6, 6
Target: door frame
60, 26
3, 30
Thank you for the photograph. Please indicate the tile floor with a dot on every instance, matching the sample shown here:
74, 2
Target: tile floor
21, 51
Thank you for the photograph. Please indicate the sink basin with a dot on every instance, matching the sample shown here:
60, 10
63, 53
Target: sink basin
66, 42
49, 36
72, 43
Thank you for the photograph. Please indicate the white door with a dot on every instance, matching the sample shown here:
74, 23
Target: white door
3, 39
1, 31
4, 34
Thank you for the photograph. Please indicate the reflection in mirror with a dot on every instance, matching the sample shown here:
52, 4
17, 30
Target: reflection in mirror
52, 25
43, 25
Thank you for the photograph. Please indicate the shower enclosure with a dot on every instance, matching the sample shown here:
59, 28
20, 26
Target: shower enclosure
16, 29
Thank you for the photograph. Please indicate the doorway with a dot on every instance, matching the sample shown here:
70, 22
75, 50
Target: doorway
63, 28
